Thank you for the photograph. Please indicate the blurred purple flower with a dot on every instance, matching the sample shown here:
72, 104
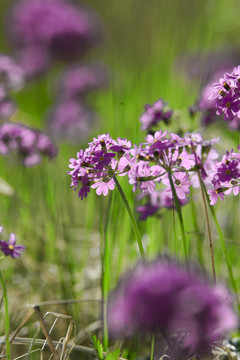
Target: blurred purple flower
159, 296
70, 119
79, 79
29, 144
154, 114
64, 29
11, 79
10, 247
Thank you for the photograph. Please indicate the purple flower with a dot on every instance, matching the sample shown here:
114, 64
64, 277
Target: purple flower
96, 166
228, 170
28, 143
181, 184
10, 247
79, 79
11, 74
70, 120
229, 105
62, 29
164, 296
154, 114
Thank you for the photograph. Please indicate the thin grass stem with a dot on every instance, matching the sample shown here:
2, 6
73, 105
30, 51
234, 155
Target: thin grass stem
152, 346
132, 218
180, 217
7, 322
223, 245
208, 227
197, 231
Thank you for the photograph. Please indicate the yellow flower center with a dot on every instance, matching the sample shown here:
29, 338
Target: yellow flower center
228, 104
227, 172
101, 158
11, 247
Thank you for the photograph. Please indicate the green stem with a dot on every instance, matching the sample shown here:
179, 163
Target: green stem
106, 266
7, 322
132, 218
152, 346
197, 231
179, 212
222, 242
208, 227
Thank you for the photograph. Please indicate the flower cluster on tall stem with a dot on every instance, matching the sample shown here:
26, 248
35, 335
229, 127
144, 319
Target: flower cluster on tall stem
96, 166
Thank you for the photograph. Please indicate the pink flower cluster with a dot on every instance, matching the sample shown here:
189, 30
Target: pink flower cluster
28, 143
226, 93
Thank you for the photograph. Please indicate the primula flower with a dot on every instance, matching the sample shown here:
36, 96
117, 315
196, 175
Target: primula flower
154, 114
164, 296
70, 119
10, 248
79, 79
28, 143
59, 29
181, 184
99, 163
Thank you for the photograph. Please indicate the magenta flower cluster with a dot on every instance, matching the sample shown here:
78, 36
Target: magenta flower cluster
155, 113
42, 31
163, 296
71, 118
28, 143
11, 79
97, 165
226, 93
152, 166
9, 248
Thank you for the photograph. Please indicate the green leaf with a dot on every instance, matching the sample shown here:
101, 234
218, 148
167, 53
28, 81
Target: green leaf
98, 347
113, 355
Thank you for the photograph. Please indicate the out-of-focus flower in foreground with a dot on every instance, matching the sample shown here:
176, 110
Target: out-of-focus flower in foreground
164, 297
9, 248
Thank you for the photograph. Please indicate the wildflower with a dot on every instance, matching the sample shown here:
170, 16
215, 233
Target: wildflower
154, 114
229, 105
10, 247
181, 184
79, 79
58, 27
97, 165
70, 120
163, 296
28, 143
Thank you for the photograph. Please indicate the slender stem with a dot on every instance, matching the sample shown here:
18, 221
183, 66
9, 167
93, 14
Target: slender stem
197, 231
152, 346
7, 322
106, 266
208, 227
223, 245
132, 218
179, 212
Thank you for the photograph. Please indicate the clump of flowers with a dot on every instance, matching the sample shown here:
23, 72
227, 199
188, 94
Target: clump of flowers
79, 79
226, 95
96, 166
9, 248
28, 143
70, 119
55, 29
155, 113
162, 296
11, 79
226, 177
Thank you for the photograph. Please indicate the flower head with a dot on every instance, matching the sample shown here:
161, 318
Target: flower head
9, 248
28, 143
58, 28
163, 295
